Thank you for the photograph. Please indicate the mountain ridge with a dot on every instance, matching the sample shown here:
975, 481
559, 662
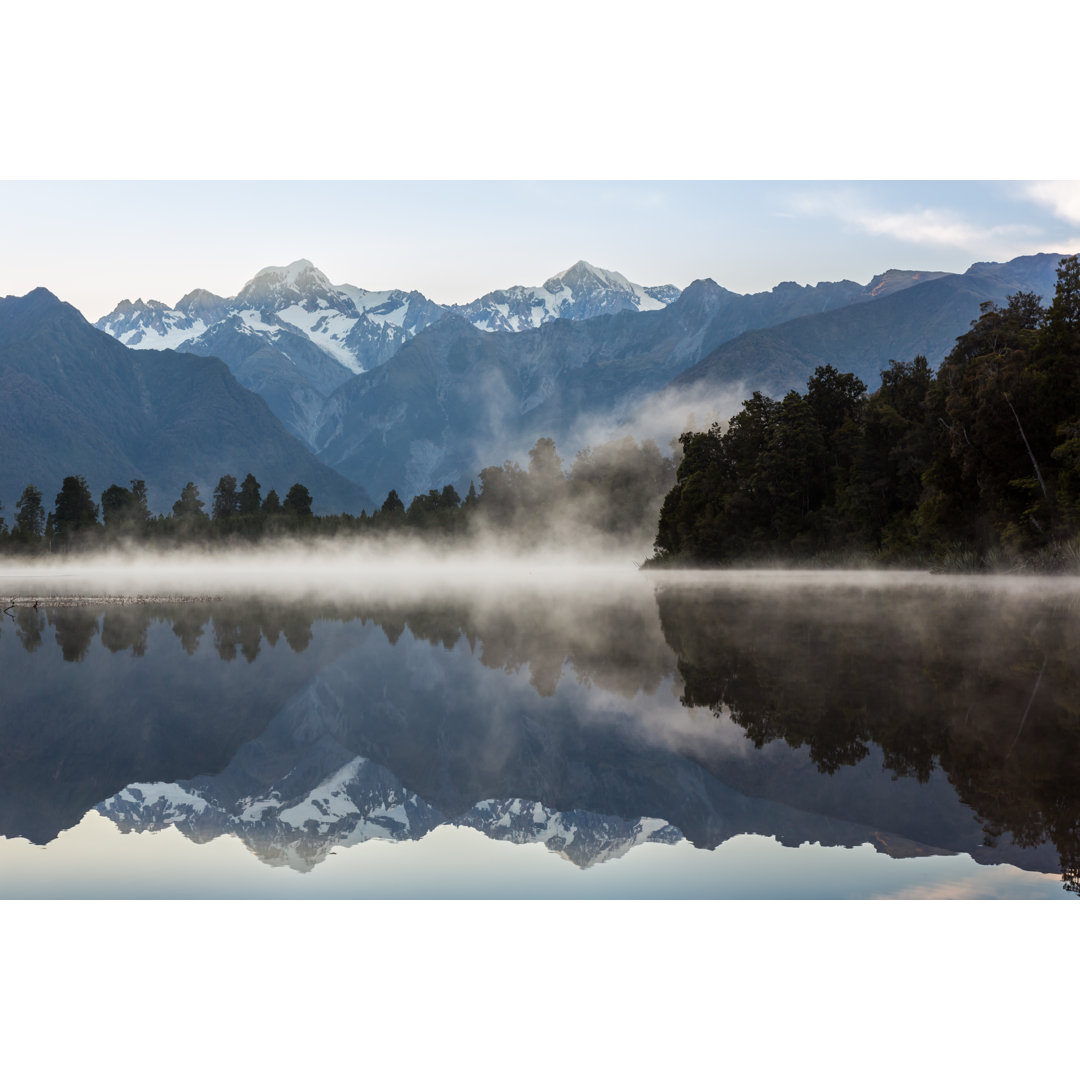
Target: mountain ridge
924, 318
454, 400
283, 313
74, 401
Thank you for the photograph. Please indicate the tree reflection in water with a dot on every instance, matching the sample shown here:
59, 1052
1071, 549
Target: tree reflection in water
984, 687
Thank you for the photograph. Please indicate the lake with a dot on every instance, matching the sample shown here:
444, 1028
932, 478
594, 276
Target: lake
537, 731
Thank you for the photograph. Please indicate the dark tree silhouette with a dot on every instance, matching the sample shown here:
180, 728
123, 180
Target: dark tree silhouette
249, 501
298, 501
226, 498
29, 517
189, 507
76, 512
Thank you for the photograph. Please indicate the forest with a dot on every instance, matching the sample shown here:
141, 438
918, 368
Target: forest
612, 492
975, 466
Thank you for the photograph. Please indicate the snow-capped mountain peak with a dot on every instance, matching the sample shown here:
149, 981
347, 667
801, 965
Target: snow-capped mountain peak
290, 274
279, 286
582, 291
151, 325
202, 304
585, 276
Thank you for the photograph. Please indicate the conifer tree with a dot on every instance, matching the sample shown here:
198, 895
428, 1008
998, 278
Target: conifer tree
226, 498
298, 502
249, 501
30, 516
189, 507
76, 512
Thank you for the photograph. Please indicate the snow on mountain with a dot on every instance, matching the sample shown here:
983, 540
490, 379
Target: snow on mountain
583, 838
361, 328
356, 802
151, 325
274, 286
581, 292
361, 801
293, 337
357, 328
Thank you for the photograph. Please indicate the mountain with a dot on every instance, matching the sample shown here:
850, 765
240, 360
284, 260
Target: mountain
75, 401
455, 399
314, 352
582, 292
288, 334
394, 391
292, 336
922, 316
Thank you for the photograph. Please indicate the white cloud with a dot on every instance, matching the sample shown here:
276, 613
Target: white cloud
1061, 197
941, 228
927, 226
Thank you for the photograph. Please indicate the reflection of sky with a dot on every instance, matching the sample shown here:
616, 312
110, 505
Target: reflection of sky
95, 861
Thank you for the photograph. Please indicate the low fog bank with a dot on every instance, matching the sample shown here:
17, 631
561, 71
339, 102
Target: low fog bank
406, 567
779, 580
325, 568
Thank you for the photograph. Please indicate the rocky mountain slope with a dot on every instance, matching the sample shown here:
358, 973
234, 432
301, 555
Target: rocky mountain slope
292, 336
454, 399
74, 401
925, 318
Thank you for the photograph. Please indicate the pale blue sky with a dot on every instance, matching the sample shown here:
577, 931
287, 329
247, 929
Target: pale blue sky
95, 243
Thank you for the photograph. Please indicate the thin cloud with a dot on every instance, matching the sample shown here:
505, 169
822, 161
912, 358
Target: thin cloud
940, 228
932, 226
1060, 197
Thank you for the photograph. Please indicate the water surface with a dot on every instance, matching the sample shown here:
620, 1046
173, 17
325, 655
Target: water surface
613, 734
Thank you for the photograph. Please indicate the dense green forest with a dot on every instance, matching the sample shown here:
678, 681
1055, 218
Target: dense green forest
976, 465
611, 491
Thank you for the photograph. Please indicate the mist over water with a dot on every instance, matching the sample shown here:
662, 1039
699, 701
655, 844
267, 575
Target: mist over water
324, 569
402, 565
314, 699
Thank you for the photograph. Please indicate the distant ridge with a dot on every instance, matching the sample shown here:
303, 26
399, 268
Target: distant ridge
924, 316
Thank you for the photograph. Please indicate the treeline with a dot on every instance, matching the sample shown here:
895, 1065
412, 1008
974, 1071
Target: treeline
78, 523
612, 490
977, 465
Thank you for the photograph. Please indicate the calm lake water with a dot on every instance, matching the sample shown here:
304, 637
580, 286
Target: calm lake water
750, 735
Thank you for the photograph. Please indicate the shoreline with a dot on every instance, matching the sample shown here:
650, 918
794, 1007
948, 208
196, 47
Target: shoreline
81, 600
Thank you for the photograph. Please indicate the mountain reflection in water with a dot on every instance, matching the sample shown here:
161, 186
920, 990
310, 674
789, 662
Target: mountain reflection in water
924, 720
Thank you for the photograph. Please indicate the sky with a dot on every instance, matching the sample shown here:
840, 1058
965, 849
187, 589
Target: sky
94, 243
